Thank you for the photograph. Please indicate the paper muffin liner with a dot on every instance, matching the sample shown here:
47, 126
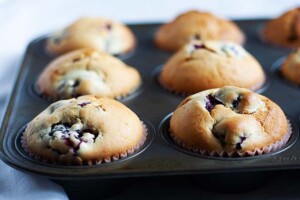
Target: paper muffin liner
231, 154
91, 162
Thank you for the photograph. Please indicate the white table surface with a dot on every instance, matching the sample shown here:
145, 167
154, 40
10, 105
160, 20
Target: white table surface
23, 20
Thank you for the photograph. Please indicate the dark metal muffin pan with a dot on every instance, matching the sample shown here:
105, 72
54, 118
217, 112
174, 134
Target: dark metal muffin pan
153, 104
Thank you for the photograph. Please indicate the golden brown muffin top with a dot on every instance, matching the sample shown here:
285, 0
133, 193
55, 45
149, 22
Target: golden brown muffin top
83, 130
84, 72
203, 65
228, 119
94, 33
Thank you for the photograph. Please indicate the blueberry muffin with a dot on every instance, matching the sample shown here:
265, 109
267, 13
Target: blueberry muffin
86, 130
228, 121
94, 33
196, 25
284, 30
203, 65
83, 72
291, 67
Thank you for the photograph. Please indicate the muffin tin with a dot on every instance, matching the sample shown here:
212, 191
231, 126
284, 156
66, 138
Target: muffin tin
154, 105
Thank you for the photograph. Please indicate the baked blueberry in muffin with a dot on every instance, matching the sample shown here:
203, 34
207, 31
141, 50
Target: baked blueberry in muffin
203, 65
196, 25
284, 30
229, 121
94, 33
291, 67
86, 130
87, 72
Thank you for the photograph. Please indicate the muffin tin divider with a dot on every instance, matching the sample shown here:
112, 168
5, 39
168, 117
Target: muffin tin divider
152, 104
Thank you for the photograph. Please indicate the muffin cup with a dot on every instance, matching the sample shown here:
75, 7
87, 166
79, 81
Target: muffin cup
91, 162
231, 154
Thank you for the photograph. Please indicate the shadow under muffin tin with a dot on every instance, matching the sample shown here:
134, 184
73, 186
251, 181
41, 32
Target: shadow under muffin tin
154, 105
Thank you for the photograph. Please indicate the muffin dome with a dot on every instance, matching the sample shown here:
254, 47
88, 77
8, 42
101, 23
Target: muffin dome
291, 67
84, 72
94, 33
87, 130
211, 64
284, 30
196, 25
229, 119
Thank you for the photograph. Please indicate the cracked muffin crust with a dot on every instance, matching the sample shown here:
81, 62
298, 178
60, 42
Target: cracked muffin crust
228, 119
86, 130
284, 30
203, 65
84, 72
291, 67
196, 25
94, 33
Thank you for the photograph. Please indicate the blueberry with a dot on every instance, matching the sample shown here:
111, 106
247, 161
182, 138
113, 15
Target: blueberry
236, 102
58, 127
238, 146
211, 102
75, 149
202, 46
76, 83
84, 104
243, 138
199, 46
66, 131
